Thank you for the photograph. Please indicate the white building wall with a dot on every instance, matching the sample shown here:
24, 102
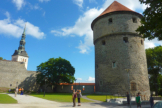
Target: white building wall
21, 59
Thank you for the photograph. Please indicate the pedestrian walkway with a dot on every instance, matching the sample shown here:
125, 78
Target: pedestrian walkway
26, 101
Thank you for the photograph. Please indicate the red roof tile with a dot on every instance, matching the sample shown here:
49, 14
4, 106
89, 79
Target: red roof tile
115, 6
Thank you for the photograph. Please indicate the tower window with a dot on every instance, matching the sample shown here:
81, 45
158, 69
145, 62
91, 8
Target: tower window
101, 83
113, 64
134, 20
103, 42
142, 42
125, 39
110, 20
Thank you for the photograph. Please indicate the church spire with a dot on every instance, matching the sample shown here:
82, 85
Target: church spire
24, 29
22, 41
21, 55
21, 50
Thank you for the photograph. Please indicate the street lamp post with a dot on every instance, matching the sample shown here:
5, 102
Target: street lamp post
129, 86
45, 86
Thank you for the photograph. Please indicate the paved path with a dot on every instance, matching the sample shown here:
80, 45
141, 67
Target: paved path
34, 102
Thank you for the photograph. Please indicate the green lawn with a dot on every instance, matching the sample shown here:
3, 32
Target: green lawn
5, 99
59, 97
101, 97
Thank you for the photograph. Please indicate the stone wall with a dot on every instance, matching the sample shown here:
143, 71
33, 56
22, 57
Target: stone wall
15, 74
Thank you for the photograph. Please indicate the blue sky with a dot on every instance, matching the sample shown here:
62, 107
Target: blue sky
56, 28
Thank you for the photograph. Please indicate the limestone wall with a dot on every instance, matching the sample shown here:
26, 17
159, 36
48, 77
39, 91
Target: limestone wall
15, 74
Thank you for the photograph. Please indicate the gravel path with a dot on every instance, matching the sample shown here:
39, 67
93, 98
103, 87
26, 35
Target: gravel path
34, 102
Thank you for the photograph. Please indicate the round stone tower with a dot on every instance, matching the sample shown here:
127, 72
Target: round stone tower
120, 59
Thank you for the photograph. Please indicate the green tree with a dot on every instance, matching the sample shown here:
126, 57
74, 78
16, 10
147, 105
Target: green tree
151, 22
154, 63
1, 58
56, 71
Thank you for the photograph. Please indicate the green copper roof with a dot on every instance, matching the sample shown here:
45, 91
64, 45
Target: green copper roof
21, 50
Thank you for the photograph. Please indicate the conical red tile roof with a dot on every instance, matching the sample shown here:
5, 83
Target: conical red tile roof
115, 6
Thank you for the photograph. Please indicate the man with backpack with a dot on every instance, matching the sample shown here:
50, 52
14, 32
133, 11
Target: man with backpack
74, 96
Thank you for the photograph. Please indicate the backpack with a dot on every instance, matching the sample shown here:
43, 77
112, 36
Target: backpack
75, 95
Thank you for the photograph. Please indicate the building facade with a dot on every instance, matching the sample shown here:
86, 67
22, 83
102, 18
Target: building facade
119, 50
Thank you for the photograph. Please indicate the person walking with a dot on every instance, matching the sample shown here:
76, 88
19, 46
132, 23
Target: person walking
19, 90
79, 95
138, 100
74, 96
128, 98
151, 101
22, 91
16, 91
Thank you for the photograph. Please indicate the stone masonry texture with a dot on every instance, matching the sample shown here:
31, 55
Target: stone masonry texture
130, 55
15, 73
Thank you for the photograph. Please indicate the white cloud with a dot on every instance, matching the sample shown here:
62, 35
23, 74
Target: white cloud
91, 79
16, 27
78, 2
82, 25
152, 43
44, 1
79, 79
19, 3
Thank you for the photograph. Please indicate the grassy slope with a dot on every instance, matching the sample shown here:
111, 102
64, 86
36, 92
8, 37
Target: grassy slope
59, 97
5, 99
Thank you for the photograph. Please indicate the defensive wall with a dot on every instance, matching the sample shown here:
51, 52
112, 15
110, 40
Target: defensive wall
14, 74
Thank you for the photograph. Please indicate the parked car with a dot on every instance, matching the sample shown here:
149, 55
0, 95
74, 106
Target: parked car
158, 105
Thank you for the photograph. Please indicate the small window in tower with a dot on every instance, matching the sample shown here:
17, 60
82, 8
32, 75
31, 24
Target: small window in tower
103, 42
142, 42
113, 64
110, 20
101, 83
25, 60
133, 86
125, 39
134, 20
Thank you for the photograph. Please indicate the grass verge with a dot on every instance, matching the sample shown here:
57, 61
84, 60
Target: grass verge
102, 97
59, 97
5, 99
